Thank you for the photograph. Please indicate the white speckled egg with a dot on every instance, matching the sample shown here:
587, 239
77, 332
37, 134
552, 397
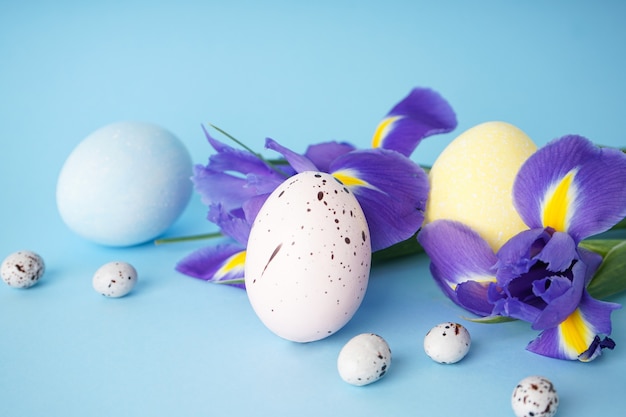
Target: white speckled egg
472, 181
124, 184
22, 269
308, 258
534, 396
115, 279
364, 359
447, 342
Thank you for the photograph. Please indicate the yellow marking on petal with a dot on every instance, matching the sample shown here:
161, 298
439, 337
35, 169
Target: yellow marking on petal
575, 333
233, 262
558, 204
349, 179
382, 130
483, 279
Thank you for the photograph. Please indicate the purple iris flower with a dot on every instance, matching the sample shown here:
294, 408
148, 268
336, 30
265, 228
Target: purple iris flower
566, 192
391, 189
234, 186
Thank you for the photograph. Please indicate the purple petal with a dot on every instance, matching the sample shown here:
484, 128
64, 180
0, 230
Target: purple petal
558, 308
593, 261
562, 299
299, 162
595, 349
221, 263
236, 160
217, 187
472, 295
323, 154
420, 114
458, 255
512, 307
252, 207
558, 252
391, 190
551, 288
577, 337
517, 255
543, 270
572, 186
232, 224
233, 176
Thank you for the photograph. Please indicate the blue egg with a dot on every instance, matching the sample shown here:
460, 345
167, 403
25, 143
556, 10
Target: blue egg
124, 184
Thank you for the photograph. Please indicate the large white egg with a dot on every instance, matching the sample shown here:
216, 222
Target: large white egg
472, 181
308, 258
124, 184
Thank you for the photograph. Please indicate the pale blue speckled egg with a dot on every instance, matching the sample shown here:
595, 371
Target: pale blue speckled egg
124, 184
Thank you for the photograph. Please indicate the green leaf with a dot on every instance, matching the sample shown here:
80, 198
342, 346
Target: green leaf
600, 246
490, 319
407, 247
610, 278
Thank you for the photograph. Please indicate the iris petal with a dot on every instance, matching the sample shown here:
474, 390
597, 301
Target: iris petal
472, 295
232, 224
218, 187
458, 256
233, 176
323, 154
559, 308
420, 114
222, 263
391, 190
512, 307
516, 256
572, 186
579, 332
229, 159
299, 162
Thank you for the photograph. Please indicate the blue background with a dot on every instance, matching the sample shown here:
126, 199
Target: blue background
299, 73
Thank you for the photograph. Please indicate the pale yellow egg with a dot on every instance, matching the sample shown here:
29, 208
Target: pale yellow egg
472, 181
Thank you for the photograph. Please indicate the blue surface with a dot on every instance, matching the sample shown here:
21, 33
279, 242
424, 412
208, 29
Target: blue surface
300, 73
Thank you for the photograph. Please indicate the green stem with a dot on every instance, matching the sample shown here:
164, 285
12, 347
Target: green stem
188, 238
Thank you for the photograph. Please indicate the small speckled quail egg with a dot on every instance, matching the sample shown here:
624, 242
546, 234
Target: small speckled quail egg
447, 342
364, 359
534, 396
115, 279
22, 269
308, 258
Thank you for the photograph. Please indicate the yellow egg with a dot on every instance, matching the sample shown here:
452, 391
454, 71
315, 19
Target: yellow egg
472, 181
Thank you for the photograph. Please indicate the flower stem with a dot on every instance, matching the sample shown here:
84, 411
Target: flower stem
237, 141
187, 238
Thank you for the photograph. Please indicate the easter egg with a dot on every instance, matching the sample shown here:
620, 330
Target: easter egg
364, 359
472, 181
22, 269
124, 184
115, 279
308, 258
535, 396
447, 343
